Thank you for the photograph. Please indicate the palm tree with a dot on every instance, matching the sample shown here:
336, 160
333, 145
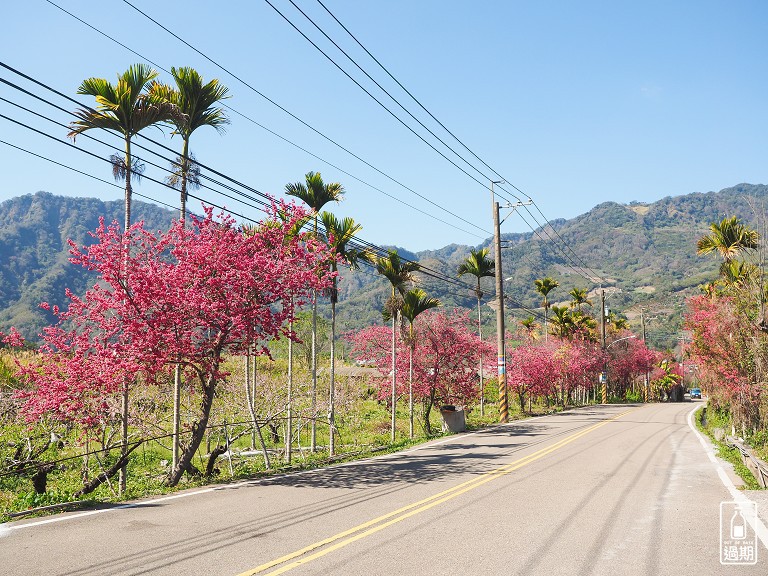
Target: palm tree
315, 193
728, 238
584, 324
398, 272
738, 273
618, 322
544, 286
415, 301
195, 101
562, 321
338, 235
478, 265
579, 298
248, 229
530, 326
125, 108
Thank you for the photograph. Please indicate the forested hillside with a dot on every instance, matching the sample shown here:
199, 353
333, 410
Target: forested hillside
34, 252
646, 254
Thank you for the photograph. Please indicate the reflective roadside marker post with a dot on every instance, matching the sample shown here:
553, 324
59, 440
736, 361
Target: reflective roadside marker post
604, 388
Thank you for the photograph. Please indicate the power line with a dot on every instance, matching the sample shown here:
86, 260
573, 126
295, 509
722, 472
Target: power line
416, 100
352, 60
290, 142
423, 269
426, 270
22, 124
295, 117
407, 111
403, 107
568, 259
93, 138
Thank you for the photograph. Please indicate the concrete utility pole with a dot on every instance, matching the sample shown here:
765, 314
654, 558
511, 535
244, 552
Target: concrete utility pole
643, 319
647, 382
604, 390
502, 356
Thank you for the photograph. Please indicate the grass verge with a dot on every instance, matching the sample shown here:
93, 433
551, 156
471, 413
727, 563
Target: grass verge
707, 421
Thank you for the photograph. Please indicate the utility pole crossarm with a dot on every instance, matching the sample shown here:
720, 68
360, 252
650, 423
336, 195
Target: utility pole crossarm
514, 206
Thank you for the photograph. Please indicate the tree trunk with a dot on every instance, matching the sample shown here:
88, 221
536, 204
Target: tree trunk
427, 411
267, 464
332, 391
184, 175
215, 453
313, 437
104, 476
198, 428
394, 393
40, 478
176, 414
289, 424
123, 478
249, 399
410, 389
124, 408
480, 335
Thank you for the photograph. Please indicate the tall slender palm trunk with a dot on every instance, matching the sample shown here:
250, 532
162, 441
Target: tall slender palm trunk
480, 335
313, 438
184, 174
394, 377
410, 389
123, 475
332, 386
289, 422
177, 371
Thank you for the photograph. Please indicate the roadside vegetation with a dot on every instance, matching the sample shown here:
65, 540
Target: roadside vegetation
200, 355
728, 324
48, 462
715, 424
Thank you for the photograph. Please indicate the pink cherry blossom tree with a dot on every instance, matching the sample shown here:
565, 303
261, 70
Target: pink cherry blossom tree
445, 359
195, 295
532, 370
629, 360
729, 351
553, 369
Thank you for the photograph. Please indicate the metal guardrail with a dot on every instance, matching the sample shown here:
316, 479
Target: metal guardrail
758, 468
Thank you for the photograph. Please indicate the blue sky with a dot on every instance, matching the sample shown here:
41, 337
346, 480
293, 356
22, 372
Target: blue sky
573, 103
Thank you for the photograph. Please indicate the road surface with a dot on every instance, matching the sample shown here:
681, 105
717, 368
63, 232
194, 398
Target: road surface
601, 490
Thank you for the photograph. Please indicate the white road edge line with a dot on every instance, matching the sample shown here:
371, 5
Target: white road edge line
5, 530
738, 496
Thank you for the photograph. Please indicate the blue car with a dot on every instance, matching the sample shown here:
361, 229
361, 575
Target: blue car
695, 393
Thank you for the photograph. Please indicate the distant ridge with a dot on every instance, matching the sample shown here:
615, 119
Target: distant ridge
34, 252
646, 252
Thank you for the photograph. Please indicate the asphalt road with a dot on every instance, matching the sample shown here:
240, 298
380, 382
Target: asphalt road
603, 490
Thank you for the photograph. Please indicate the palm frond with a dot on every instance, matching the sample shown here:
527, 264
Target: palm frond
119, 170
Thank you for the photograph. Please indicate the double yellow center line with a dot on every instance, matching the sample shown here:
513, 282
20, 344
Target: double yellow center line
342, 539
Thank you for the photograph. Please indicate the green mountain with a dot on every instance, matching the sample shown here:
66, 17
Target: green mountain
34, 252
644, 253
